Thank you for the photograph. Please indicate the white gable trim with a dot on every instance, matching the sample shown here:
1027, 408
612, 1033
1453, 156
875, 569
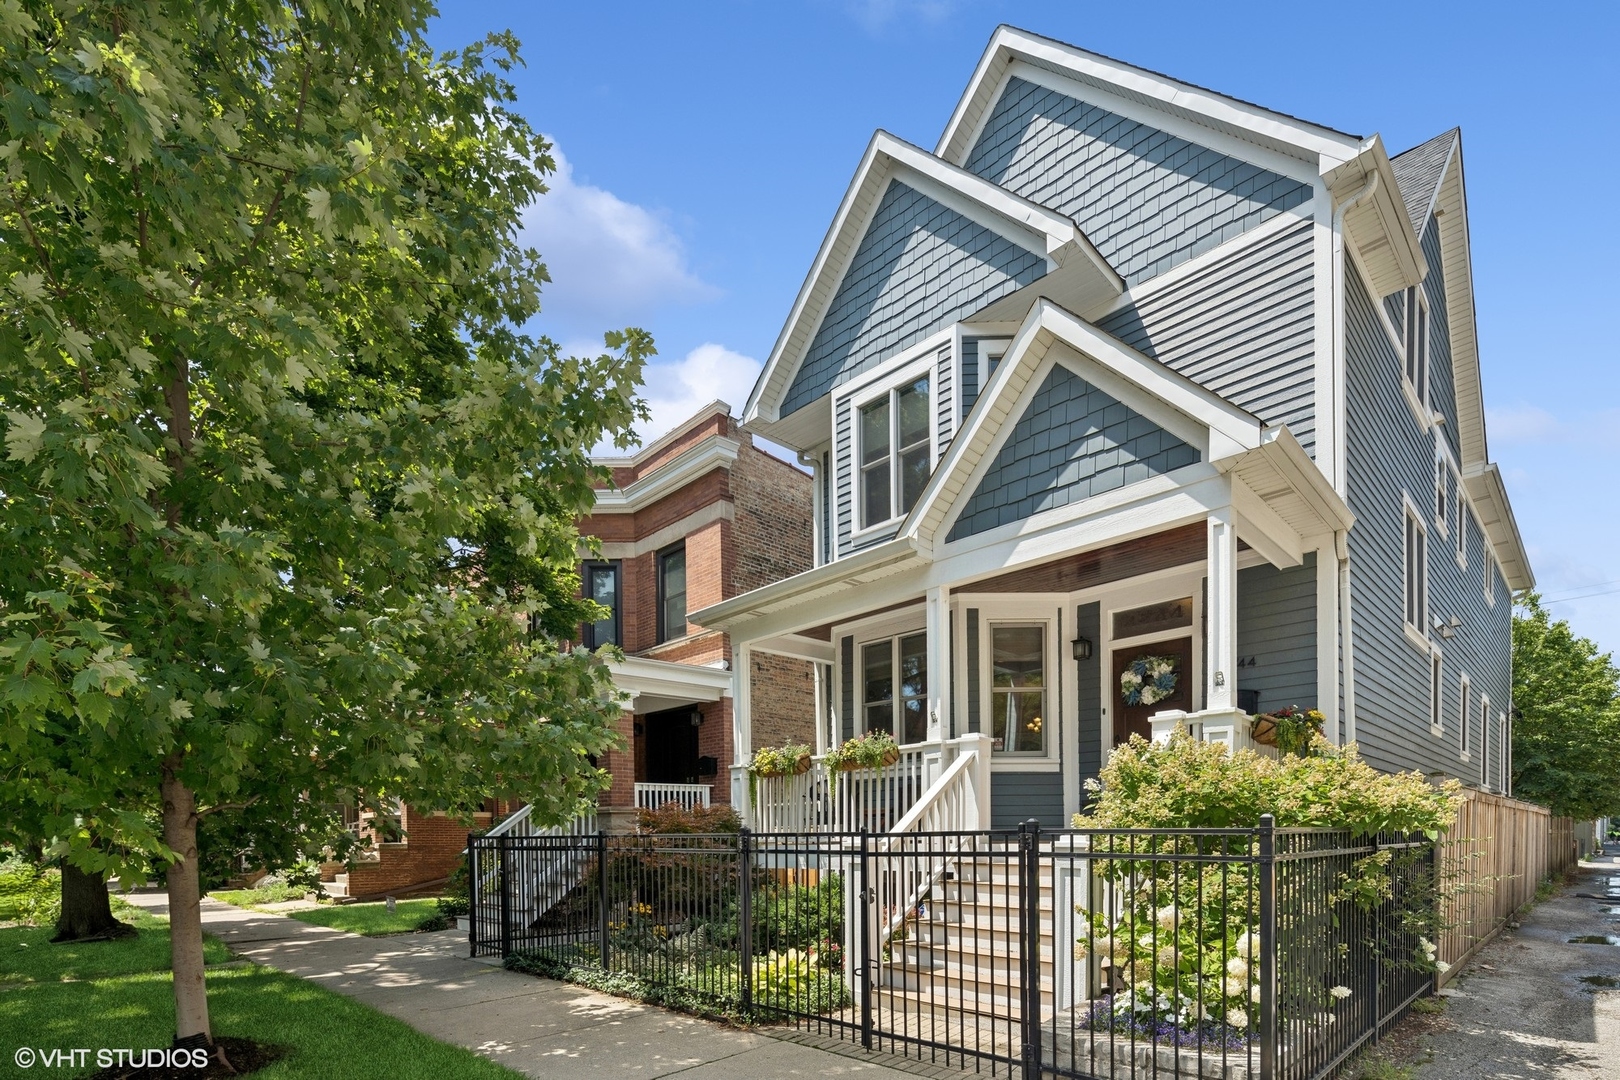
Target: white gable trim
1218, 428
887, 158
1322, 147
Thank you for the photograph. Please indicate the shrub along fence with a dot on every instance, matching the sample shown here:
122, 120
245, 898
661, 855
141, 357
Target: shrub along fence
1492, 859
1231, 953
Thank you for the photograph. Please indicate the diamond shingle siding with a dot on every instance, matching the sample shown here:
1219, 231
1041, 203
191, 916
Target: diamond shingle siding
1072, 442
1245, 328
919, 266
1148, 200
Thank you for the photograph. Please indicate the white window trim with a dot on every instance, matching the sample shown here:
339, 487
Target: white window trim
1485, 745
1504, 727
1417, 634
1465, 710
1442, 493
1464, 513
1488, 577
1437, 697
1049, 686
1416, 397
1024, 609
920, 366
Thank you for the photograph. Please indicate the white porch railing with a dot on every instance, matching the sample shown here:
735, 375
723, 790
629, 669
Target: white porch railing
876, 800
690, 796
549, 879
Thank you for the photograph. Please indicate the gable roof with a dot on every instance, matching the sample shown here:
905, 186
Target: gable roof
1230, 429
1418, 173
1252, 123
1037, 228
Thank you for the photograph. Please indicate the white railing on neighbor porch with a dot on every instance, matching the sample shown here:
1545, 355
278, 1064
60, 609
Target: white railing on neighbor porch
547, 880
876, 800
690, 796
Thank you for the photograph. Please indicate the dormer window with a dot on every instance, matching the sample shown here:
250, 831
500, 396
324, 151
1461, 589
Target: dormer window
896, 451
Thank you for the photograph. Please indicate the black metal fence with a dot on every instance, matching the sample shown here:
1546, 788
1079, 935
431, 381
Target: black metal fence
1232, 953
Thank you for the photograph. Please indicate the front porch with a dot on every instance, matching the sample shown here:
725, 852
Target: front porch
1010, 647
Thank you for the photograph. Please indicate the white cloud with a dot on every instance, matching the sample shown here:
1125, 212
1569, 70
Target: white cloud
675, 389
875, 15
1521, 424
612, 263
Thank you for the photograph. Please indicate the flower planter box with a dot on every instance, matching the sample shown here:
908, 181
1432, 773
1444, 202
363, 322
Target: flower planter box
889, 758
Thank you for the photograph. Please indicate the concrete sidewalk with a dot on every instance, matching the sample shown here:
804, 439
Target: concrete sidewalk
534, 1026
1535, 1003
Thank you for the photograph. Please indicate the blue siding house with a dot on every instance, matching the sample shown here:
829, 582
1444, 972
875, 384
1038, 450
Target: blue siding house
1126, 375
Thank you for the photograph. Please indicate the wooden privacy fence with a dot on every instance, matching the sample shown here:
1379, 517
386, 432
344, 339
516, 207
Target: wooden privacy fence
1491, 861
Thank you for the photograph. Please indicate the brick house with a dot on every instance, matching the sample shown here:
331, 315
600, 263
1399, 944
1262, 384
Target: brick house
697, 516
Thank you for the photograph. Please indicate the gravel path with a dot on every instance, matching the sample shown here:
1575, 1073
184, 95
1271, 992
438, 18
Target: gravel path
1533, 1004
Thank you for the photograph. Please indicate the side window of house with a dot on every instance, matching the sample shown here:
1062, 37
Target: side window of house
1436, 718
1485, 742
672, 593
600, 582
1489, 572
896, 451
1018, 705
1416, 342
1465, 713
1463, 516
1416, 574
896, 705
1441, 499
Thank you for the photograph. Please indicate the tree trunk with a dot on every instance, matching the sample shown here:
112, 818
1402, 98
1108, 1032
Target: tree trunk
86, 908
185, 910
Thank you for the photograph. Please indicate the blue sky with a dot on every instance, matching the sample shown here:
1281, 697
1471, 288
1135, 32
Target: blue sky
704, 149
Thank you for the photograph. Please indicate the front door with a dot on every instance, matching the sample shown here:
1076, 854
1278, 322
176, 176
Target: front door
672, 746
1137, 719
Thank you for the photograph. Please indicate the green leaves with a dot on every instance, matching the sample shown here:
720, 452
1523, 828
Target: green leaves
285, 483
1566, 730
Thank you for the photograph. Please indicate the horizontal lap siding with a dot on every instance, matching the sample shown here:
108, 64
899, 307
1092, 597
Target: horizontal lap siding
920, 266
1385, 453
1276, 627
1148, 200
1244, 328
1016, 797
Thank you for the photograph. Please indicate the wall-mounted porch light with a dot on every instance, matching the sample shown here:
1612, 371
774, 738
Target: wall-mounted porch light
1081, 647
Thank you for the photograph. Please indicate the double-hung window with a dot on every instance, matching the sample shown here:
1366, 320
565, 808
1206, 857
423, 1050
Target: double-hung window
1485, 740
896, 451
1416, 575
1018, 705
600, 582
672, 593
1437, 724
894, 687
1415, 335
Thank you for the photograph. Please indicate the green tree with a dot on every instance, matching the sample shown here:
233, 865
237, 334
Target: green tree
289, 497
1566, 717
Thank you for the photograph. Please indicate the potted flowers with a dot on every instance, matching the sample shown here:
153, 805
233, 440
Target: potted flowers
1290, 730
789, 760
874, 750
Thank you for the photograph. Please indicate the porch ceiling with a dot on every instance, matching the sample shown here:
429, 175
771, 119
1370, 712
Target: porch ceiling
1144, 555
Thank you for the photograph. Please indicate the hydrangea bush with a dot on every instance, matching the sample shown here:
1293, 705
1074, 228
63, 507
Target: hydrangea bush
1178, 941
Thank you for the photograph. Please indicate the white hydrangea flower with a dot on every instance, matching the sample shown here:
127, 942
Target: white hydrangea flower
1340, 992
1237, 967
1441, 966
1237, 1018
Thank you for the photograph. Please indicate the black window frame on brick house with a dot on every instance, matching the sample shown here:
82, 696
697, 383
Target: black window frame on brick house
665, 597
590, 634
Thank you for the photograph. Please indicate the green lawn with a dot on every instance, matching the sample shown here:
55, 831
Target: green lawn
55, 996
370, 919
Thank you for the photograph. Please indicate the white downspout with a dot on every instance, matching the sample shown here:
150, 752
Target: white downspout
1341, 541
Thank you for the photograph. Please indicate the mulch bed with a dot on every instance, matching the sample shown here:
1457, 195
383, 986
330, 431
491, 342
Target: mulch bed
245, 1056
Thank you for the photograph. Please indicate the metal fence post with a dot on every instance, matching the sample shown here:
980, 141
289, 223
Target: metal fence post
866, 898
506, 896
1267, 837
745, 913
472, 894
1029, 943
602, 899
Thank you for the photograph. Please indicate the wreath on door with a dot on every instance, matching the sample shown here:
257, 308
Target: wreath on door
1148, 680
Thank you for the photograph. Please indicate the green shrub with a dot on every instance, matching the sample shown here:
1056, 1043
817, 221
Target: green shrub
28, 894
457, 899
1181, 944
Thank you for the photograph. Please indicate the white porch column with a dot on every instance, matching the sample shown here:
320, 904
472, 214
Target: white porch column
939, 662
1220, 681
742, 732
